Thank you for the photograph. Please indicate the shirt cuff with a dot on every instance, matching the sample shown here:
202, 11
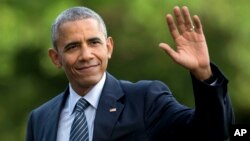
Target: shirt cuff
211, 80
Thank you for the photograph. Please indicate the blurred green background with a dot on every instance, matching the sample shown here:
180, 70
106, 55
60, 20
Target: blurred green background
29, 79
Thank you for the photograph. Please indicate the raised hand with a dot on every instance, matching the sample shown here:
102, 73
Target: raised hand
191, 48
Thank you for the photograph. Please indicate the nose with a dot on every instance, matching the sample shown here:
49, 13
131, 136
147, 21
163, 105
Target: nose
85, 53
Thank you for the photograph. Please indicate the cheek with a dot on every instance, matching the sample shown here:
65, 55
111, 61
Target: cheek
105, 58
105, 63
68, 61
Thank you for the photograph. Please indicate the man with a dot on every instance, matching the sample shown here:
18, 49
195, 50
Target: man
120, 110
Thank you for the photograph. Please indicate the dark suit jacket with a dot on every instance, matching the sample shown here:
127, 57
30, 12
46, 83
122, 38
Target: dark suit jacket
146, 111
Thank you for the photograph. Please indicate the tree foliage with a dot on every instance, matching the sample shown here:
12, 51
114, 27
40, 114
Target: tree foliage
29, 79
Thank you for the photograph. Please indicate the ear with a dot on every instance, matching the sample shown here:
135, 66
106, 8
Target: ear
110, 46
55, 58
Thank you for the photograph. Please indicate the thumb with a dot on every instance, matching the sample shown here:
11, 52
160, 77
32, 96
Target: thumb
168, 50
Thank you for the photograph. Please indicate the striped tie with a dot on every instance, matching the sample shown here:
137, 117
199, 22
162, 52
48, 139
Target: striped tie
79, 129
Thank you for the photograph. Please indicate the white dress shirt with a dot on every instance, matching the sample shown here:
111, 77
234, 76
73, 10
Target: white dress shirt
67, 116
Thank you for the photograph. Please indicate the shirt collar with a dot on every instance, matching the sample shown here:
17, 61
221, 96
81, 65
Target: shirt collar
92, 96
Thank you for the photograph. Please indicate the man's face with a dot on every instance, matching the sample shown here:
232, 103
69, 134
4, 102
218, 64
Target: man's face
83, 52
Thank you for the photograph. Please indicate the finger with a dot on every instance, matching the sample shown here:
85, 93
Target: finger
197, 23
172, 27
179, 19
186, 15
168, 50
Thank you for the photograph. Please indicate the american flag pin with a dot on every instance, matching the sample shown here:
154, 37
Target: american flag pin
112, 110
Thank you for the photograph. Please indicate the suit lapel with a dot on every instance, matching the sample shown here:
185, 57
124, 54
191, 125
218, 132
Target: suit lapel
109, 108
50, 133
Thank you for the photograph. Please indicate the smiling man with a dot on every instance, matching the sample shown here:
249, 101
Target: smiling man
97, 107
82, 49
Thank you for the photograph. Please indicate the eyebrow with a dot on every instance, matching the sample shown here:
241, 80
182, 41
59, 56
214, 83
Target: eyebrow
94, 39
71, 43
74, 42
79, 42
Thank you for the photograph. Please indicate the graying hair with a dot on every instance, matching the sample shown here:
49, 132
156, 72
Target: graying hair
74, 14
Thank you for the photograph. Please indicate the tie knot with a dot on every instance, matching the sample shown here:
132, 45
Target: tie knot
81, 105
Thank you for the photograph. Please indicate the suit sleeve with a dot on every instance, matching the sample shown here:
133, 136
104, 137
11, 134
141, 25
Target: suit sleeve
213, 110
29, 130
167, 119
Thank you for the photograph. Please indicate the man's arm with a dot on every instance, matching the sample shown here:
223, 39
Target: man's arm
213, 109
213, 112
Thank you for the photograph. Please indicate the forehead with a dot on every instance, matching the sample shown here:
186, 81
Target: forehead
79, 25
79, 31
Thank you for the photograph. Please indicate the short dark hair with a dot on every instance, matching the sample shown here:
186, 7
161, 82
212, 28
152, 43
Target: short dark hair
73, 14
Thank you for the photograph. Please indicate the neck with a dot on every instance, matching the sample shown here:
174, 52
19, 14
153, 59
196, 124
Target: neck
83, 91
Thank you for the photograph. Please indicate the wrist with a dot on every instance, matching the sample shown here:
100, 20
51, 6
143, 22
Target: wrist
210, 80
202, 74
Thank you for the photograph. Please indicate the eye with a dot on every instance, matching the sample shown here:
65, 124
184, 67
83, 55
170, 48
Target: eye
71, 46
95, 42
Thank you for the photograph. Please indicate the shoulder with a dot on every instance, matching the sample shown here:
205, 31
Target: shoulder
48, 106
51, 103
43, 115
144, 86
141, 86
152, 95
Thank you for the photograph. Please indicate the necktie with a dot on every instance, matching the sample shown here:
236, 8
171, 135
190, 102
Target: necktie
79, 129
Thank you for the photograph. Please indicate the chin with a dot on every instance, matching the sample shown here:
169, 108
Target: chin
90, 81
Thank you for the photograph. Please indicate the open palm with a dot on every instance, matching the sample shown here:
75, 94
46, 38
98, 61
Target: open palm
191, 49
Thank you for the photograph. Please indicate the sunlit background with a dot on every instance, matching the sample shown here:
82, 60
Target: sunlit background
29, 79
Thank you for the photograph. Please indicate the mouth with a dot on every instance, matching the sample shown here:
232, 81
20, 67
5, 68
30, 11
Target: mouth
87, 67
